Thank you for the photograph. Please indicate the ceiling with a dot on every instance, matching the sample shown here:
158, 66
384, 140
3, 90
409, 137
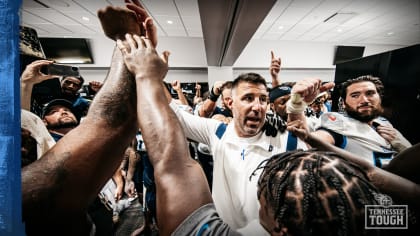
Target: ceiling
329, 21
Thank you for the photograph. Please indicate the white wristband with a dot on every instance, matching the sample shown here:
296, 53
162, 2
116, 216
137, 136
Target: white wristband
295, 105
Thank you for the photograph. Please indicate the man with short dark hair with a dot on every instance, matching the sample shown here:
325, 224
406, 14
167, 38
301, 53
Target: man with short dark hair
70, 86
279, 95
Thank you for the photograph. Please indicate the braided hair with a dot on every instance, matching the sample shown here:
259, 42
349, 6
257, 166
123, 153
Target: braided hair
316, 193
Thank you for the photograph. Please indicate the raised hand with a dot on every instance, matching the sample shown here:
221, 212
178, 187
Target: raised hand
141, 58
32, 73
95, 85
217, 86
308, 89
176, 85
117, 21
275, 66
147, 27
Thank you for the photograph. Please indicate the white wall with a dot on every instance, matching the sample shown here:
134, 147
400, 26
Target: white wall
297, 54
188, 61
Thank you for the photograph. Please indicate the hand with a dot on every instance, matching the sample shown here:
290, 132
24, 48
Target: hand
197, 86
217, 86
95, 85
117, 21
118, 192
32, 73
275, 66
176, 85
130, 189
141, 58
309, 89
387, 132
298, 129
144, 20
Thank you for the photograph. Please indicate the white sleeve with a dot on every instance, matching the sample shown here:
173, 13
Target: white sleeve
199, 129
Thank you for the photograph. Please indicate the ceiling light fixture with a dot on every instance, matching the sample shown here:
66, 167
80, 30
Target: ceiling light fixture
281, 27
339, 30
390, 33
169, 22
85, 18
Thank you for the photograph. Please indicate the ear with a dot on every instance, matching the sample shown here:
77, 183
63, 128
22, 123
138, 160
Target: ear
230, 103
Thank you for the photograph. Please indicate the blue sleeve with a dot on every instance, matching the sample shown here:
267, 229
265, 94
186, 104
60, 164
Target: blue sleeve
339, 139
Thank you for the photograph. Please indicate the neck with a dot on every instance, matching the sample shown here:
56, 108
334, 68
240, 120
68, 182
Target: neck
61, 131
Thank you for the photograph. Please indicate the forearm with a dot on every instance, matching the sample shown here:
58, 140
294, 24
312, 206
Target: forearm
25, 95
275, 81
397, 187
181, 97
207, 108
133, 159
163, 121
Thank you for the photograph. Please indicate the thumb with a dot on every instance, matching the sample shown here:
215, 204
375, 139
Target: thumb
326, 86
165, 56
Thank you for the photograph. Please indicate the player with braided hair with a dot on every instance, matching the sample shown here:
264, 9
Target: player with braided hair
315, 193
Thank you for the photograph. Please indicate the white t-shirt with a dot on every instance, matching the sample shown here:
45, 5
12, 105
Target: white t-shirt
235, 158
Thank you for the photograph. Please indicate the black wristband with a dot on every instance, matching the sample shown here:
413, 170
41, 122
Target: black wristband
213, 96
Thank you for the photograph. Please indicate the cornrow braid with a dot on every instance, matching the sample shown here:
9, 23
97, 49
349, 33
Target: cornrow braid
316, 193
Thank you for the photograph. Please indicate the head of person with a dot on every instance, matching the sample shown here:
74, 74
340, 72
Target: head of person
314, 193
226, 92
249, 104
70, 85
279, 95
362, 97
317, 106
59, 114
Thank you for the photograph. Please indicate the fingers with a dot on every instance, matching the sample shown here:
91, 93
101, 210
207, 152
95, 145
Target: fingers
165, 56
272, 55
122, 47
151, 31
131, 42
327, 86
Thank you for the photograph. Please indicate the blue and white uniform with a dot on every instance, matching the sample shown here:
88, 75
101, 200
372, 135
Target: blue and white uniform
362, 139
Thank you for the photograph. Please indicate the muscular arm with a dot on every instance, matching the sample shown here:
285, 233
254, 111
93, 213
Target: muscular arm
175, 172
69, 176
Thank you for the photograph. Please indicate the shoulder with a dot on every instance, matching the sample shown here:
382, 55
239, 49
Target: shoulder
204, 221
333, 120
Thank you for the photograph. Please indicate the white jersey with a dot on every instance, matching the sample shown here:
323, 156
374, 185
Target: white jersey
235, 159
360, 138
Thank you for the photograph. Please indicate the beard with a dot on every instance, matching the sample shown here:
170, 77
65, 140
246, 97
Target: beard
62, 125
363, 117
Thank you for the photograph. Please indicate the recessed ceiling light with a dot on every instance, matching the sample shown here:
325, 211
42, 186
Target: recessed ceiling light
390, 33
85, 18
339, 30
169, 22
281, 27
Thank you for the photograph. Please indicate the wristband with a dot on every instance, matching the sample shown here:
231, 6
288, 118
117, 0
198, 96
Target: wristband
213, 96
295, 105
